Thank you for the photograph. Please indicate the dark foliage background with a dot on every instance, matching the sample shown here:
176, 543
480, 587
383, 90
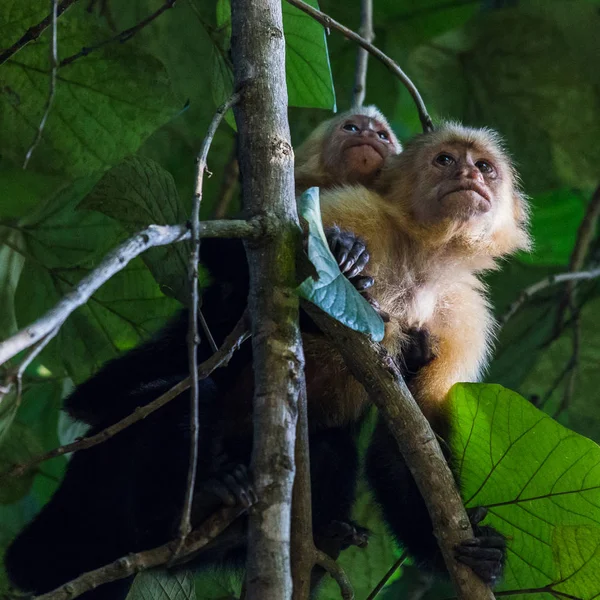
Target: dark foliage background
528, 68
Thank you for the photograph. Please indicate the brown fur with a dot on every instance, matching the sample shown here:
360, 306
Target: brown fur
319, 161
425, 265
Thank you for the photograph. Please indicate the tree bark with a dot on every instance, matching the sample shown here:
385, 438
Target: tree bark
266, 167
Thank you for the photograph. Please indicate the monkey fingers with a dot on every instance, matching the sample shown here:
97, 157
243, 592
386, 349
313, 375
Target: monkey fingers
231, 488
484, 554
362, 282
348, 249
347, 533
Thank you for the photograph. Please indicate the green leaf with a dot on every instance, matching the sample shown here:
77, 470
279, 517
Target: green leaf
308, 72
541, 484
137, 193
332, 292
106, 104
159, 584
18, 446
11, 263
502, 70
555, 219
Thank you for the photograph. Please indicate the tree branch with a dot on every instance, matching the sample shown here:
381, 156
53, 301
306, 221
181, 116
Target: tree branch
121, 37
141, 561
328, 22
52, 90
34, 32
220, 358
585, 236
375, 592
362, 56
115, 261
371, 364
327, 563
185, 525
551, 280
267, 169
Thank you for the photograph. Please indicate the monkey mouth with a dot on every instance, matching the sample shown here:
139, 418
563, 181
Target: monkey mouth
377, 146
474, 192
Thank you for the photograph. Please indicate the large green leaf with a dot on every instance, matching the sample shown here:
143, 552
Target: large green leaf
137, 193
106, 104
503, 70
308, 72
61, 245
332, 292
159, 584
541, 484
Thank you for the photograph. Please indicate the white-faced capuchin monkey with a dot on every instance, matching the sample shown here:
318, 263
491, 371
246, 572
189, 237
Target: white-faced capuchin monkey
442, 212
350, 148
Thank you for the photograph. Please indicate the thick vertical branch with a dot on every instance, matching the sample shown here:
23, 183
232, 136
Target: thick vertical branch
266, 166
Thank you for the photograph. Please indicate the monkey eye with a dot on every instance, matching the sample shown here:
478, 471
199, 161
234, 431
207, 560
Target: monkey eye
485, 167
444, 159
383, 135
351, 127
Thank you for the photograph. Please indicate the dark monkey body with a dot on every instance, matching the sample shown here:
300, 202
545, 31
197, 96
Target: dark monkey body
125, 495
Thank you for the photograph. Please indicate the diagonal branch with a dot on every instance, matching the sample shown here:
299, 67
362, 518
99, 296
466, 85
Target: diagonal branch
141, 561
34, 32
220, 358
115, 261
371, 364
330, 23
121, 37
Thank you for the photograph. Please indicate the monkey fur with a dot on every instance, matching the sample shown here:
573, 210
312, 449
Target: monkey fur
419, 258
442, 212
348, 149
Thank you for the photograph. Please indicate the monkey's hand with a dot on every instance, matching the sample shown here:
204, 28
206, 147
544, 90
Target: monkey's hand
228, 488
486, 552
348, 533
352, 256
420, 350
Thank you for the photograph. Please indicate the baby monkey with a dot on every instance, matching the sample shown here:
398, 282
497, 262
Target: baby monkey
350, 148
441, 212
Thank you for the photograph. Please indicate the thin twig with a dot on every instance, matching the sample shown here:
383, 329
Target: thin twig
232, 342
387, 576
331, 566
121, 37
115, 261
34, 32
549, 281
362, 56
328, 22
185, 525
141, 561
52, 90
585, 236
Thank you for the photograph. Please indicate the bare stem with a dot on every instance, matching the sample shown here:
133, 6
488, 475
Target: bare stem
34, 32
330, 23
220, 358
52, 90
121, 37
387, 576
185, 525
547, 282
327, 563
362, 56
141, 561
115, 261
